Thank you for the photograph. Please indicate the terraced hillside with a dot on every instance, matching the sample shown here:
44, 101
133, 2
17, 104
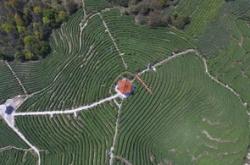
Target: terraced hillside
8, 85
72, 115
231, 64
84, 139
189, 119
15, 156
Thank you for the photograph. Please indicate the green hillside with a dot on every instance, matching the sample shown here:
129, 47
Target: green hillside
197, 113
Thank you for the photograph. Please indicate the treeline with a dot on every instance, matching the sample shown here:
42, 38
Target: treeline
154, 13
25, 26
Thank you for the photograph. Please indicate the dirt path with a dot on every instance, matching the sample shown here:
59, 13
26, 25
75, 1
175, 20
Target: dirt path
112, 149
205, 67
218, 81
218, 140
15, 75
13, 147
84, 10
113, 40
125, 161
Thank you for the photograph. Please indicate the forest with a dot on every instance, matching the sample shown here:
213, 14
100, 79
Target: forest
25, 26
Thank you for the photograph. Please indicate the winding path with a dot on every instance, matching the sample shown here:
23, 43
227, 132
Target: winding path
13, 147
112, 149
206, 71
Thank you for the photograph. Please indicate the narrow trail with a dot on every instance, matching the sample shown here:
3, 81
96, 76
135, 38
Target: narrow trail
15, 75
112, 149
71, 111
54, 38
85, 21
113, 40
167, 60
34, 148
123, 160
215, 139
83, 24
66, 38
13, 147
84, 10
205, 67
88, 17
117, 104
218, 81
174, 56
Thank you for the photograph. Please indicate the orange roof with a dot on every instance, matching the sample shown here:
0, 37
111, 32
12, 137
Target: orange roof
125, 86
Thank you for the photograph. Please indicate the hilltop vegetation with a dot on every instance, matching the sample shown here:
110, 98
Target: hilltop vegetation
154, 13
25, 26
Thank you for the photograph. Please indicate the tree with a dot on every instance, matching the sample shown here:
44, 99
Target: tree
154, 19
37, 10
21, 29
28, 54
45, 49
140, 19
61, 16
180, 21
26, 26
19, 20
154, 13
1, 56
28, 40
12, 3
71, 6
7, 27
123, 3
46, 20
49, 13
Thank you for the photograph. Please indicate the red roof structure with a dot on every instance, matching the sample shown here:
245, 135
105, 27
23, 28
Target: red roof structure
125, 86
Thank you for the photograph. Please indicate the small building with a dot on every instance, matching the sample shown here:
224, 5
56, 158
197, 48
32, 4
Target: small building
9, 110
125, 88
